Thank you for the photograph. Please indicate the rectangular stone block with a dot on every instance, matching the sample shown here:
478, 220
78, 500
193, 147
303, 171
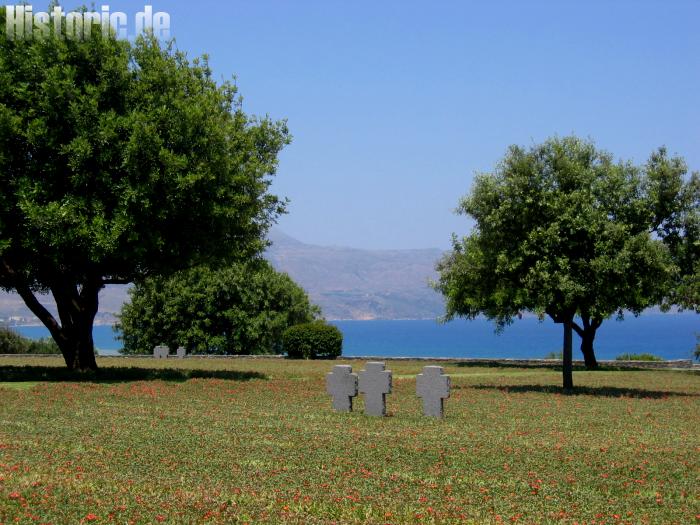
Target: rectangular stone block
161, 352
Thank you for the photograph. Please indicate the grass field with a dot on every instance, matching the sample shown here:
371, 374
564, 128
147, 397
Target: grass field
236, 441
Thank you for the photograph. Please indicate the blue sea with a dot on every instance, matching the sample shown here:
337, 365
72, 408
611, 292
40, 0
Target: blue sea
671, 336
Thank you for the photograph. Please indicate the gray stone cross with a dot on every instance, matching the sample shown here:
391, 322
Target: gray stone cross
375, 384
433, 387
341, 383
181, 352
161, 352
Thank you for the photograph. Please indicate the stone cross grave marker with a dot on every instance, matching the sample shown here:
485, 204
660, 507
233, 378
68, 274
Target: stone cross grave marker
341, 383
375, 384
433, 387
161, 352
181, 352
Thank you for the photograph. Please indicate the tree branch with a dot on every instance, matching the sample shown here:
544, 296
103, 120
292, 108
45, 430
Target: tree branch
63, 312
32, 302
586, 321
577, 328
562, 317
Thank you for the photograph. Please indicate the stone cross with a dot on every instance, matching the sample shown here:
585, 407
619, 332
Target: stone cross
433, 387
341, 383
161, 352
181, 352
375, 384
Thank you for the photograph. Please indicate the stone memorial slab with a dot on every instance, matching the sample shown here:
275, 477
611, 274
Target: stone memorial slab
433, 387
375, 383
181, 352
161, 352
341, 383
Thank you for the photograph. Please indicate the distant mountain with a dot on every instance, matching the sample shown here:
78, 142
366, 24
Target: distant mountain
351, 283
347, 283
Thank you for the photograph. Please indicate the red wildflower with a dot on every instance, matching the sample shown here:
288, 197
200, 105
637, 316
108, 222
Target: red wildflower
92, 517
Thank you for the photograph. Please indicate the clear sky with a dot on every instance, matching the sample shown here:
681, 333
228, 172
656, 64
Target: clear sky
394, 105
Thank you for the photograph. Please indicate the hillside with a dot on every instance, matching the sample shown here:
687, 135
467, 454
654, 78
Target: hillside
352, 283
347, 283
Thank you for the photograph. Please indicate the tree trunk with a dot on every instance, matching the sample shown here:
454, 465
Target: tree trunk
77, 301
77, 311
587, 349
587, 334
567, 364
78, 348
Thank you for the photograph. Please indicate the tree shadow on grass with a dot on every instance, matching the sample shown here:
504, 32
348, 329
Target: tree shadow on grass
598, 391
119, 374
556, 365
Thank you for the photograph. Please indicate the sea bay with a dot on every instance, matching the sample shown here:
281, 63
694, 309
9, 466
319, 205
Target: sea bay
670, 336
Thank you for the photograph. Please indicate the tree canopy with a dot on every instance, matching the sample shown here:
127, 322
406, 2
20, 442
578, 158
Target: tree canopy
121, 160
562, 230
676, 208
238, 309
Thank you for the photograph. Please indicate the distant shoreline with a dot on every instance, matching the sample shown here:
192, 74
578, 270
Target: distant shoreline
652, 312
666, 336
40, 325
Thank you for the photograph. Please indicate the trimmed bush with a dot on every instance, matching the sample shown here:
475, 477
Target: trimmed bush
316, 340
638, 357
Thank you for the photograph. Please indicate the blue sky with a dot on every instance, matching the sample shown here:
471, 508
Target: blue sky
394, 105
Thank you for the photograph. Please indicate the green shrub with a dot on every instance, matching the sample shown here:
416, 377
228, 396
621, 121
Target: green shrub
45, 345
638, 357
554, 355
239, 309
13, 343
316, 340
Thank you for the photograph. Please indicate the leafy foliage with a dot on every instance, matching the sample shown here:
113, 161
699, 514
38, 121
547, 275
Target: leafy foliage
120, 160
676, 206
240, 309
316, 340
638, 357
13, 343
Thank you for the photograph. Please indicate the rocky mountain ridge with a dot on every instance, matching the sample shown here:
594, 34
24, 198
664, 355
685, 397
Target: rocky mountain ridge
348, 283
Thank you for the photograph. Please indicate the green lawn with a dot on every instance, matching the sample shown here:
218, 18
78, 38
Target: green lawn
228, 441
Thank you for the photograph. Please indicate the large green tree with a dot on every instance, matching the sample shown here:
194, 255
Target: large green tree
561, 230
675, 201
120, 160
238, 309
677, 205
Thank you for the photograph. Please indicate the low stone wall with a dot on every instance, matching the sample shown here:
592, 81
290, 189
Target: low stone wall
150, 356
674, 363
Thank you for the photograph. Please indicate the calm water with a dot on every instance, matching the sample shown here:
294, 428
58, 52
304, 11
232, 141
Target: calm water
671, 336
